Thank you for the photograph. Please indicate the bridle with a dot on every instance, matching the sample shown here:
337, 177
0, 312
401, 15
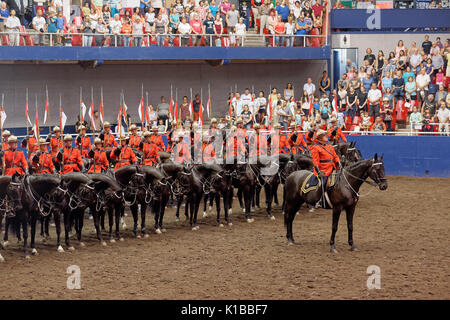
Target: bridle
373, 184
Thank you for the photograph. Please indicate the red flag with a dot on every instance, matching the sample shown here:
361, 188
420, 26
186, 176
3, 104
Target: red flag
101, 110
230, 109
119, 121
171, 107
91, 114
141, 110
335, 104
191, 108
175, 115
36, 125
46, 111
147, 119
208, 106
200, 112
26, 113
311, 106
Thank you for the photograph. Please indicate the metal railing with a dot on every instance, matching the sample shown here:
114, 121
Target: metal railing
30, 38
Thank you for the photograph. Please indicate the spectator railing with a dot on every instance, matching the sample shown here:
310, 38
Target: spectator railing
29, 38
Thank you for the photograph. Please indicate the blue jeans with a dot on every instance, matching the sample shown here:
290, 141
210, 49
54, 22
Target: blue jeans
126, 41
279, 41
289, 41
137, 41
160, 40
284, 125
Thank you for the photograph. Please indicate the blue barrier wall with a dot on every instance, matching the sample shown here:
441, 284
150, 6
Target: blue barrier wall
409, 156
162, 53
394, 18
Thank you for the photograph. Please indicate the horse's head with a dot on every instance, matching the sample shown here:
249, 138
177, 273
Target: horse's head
16, 193
353, 154
376, 172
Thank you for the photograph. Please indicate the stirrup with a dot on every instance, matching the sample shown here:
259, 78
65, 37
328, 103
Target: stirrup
327, 199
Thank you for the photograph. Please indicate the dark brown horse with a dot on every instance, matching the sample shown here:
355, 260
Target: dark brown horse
343, 196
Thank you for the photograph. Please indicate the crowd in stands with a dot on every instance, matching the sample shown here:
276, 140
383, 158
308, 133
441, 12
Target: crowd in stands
162, 23
410, 84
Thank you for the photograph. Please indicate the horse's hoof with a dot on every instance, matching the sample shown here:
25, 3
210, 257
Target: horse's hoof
52, 224
82, 244
250, 220
158, 231
221, 225
194, 229
138, 236
230, 224
2, 259
121, 239
243, 210
230, 211
104, 243
125, 215
112, 241
146, 235
353, 248
34, 252
205, 214
290, 243
310, 210
282, 212
163, 230
5, 244
124, 226
272, 217
71, 249
333, 250
210, 208
27, 257
43, 240
177, 219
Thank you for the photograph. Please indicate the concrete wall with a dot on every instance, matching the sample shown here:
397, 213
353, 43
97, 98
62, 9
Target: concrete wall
66, 80
385, 41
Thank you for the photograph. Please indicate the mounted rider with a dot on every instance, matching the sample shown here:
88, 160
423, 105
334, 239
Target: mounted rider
99, 160
280, 139
30, 142
149, 150
257, 143
41, 160
155, 138
208, 153
109, 142
181, 149
297, 140
135, 139
69, 157
83, 142
14, 159
123, 154
55, 141
335, 134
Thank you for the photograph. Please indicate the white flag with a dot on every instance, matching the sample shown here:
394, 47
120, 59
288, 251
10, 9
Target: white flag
3, 116
91, 115
63, 121
83, 110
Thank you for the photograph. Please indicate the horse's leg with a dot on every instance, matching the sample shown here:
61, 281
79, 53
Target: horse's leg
134, 211
25, 236
102, 219
217, 198
179, 200
156, 210
5, 236
47, 222
205, 202
143, 213
122, 217
269, 195
111, 223
336, 215
57, 219
191, 210
239, 195
291, 210
211, 202
67, 226
275, 192
41, 220
118, 214
350, 212
186, 207
258, 197
33, 222
198, 199
162, 210
249, 192
96, 217
80, 216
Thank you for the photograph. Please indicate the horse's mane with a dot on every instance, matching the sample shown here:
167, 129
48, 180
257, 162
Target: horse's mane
358, 164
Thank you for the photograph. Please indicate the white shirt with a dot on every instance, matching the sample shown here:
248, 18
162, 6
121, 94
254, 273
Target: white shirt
309, 88
12, 22
39, 22
240, 29
116, 26
373, 95
246, 97
259, 102
184, 28
289, 28
238, 106
422, 80
443, 115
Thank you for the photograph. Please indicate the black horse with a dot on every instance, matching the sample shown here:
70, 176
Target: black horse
4, 183
343, 195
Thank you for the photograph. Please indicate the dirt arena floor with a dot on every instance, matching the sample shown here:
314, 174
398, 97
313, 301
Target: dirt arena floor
404, 231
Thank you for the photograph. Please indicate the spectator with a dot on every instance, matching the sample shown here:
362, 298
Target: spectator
422, 82
157, 4
349, 65
196, 29
244, 11
367, 81
362, 101
152, 116
87, 30
400, 47
392, 62
290, 28
301, 30
283, 10
410, 89
100, 32
288, 92
174, 19
213, 8
429, 104
380, 62
338, 5
218, 30
426, 45
317, 12
40, 27
309, 87
126, 32
379, 127
163, 110
247, 118
352, 99
224, 7
370, 57
97, 123
138, 32
256, 8
443, 115
184, 29
343, 82
386, 111
441, 94
401, 61
386, 82
426, 121
415, 120
208, 29
398, 85
408, 73
374, 98
4, 14
272, 21
160, 30
342, 94
414, 61
264, 13
12, 26
279, 30
324, 84
116, 27
196, 106
240, 31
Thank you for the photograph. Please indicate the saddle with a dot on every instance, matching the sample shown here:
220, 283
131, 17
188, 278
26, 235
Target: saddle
311, 183
331, 180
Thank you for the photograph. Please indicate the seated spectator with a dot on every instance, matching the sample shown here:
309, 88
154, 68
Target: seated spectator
429, 104
427, 121
398, 85
391, 63
309, 87
443, 115
415, 120
365, 122
422, 82
378, 127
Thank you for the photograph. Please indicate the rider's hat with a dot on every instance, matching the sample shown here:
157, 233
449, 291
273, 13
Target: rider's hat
6, 133
12, 139
56, 129
320, 133
97, 140
147, 134
133, 127
43, 141
106, 124
68, 137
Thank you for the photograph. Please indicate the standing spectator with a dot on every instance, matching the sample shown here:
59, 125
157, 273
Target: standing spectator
96, 122
288, 92
429, 104
116, 27
196, 29
184, 29
324, 84
301, 30
218, 30
138, 32
232, 16
290, 28
386, 111
414, 61
352, 99
260, 106
163, 110
370, 57
40, 26
12, 26
283, 10
224, 8
264, 13
422, 82
126, 32
208, 29
247, 118
279, 30
415, 119
378, 126
157, 4
213, 8
398, 85
367, 81
362, 101
256, 7
386, 82
426, 45
342, 94
309, 87
443, 115
441, 94
379, 66
87, 30
4, 14
343, 82
427, 120
317, 12
400, 47
401, 61
244, 11
174, 19
160, 30
240, 31
51, 26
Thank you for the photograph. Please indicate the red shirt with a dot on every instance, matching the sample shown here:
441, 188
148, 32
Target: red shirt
196, 25
317, 9
280, 28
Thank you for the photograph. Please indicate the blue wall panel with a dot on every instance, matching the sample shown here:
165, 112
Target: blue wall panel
409, 156
162, 53
394, 18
